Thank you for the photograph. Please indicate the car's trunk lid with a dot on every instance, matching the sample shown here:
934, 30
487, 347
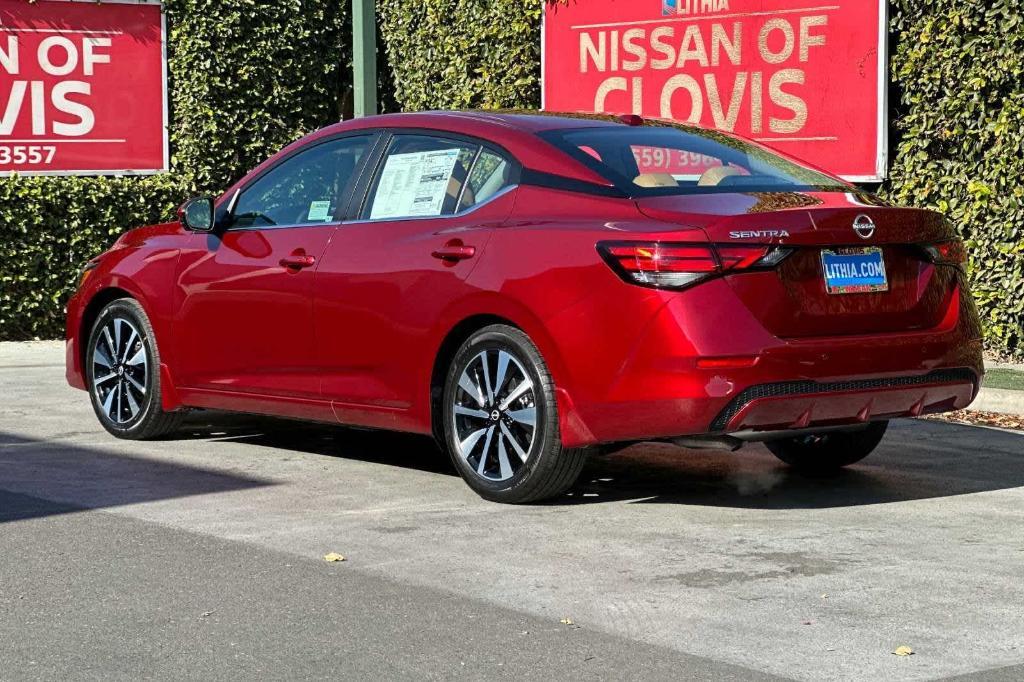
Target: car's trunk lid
792, 300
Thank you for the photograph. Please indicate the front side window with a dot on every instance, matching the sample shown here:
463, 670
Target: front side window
422, 176
660, 160
306, 189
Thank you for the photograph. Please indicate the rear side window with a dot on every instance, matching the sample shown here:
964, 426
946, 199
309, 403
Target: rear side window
307, 188
491, 173
421, 177
665, 160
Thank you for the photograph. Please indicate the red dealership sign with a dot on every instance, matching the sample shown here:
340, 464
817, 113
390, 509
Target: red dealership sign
807, 78
82, 87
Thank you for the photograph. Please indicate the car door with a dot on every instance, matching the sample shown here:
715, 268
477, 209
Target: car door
388, 275
244, 323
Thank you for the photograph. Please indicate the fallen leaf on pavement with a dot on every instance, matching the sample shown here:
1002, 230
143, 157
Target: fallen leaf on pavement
334, 556
567, 621
904, 651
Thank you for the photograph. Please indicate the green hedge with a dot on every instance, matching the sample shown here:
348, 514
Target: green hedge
246, 77
957, 110
463, 54
959, 73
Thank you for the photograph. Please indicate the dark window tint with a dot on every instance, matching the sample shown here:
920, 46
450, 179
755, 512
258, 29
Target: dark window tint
307, 188
659, 160
421, 176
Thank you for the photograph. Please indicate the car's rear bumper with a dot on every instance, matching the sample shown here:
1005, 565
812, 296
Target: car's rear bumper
803, 404
660, 389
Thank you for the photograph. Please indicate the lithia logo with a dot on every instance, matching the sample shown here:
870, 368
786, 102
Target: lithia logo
673, 7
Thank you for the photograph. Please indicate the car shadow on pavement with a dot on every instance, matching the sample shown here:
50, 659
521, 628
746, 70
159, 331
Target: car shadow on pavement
40, 478
404, 450
917, 460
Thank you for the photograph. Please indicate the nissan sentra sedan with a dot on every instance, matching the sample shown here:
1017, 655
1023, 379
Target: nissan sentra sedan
529, 289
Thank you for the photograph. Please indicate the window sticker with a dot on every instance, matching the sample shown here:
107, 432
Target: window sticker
414, 184
320, 211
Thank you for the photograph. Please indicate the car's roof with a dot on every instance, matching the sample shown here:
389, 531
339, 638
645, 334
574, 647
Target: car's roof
523, 120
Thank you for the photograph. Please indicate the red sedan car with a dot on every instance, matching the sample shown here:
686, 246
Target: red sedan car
526, 287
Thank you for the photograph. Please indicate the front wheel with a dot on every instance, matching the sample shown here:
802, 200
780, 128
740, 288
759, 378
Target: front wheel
122, 365
501, 420
829, 451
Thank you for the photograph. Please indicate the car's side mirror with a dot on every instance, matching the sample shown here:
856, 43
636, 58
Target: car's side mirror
197, 214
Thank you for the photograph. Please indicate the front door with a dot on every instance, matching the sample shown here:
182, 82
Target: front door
244, 321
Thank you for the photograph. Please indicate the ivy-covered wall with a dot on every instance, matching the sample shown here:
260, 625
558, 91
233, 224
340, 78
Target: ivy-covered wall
248, 76
958, 129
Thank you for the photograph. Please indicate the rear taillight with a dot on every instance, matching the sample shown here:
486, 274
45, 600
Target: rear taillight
666, 265
947, 253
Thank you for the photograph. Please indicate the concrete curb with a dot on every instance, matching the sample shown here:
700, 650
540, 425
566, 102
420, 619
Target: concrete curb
999, 400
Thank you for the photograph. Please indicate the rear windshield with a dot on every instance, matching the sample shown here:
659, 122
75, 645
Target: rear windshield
657, 161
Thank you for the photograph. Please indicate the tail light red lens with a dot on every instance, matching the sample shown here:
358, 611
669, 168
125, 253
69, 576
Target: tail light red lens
665, 265
947, 253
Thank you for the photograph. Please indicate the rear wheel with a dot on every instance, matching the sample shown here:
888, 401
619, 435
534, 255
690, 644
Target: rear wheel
122, 366
501, 420
828, 451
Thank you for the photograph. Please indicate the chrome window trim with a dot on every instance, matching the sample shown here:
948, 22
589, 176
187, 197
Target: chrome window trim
361, 221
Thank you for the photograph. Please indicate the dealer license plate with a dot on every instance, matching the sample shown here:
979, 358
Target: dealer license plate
854, 271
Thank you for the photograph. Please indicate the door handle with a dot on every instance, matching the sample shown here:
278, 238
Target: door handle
298, 261
454, 252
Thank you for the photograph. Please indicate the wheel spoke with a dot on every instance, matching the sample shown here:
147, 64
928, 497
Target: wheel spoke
487, 448
503, 463
487, 377
503, 360
111, 350
515, 444
527, 417
137, 359
104, 379
117, 335
464, 411
132, 405
138, 387
120, 400
519, 390
466, 446
99, 357
108, 403
471, 388
128, 346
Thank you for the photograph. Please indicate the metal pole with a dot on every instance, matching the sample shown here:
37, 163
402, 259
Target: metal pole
364, 57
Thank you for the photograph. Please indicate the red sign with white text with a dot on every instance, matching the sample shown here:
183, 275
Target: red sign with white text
82, 88
805, 78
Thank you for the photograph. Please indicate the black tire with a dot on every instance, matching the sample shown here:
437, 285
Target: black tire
548, 469
121, 407
829, 451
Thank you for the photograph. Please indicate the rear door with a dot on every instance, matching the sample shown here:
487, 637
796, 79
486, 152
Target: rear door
390, 272
245, 320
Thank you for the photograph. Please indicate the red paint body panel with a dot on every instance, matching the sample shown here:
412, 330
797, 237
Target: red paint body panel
354, 337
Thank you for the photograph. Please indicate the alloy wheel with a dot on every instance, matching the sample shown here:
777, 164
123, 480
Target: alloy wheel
495, 414
120, 370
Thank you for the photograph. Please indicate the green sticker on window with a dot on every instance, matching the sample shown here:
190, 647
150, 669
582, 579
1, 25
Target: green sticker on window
319, 212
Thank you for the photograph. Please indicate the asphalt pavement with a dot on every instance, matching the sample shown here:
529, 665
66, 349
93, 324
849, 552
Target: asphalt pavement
200, 556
